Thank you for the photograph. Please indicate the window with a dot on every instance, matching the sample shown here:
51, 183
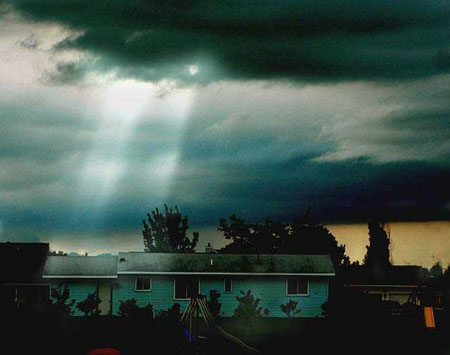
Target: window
228, 285
143, 284
186, 287
299, 287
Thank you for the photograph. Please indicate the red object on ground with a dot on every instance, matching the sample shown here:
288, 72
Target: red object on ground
104, 351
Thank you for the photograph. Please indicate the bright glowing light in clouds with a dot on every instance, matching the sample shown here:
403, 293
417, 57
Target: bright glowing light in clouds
126, 100
125, 103
193, 69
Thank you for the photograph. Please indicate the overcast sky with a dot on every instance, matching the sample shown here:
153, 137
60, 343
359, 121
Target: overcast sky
259, 108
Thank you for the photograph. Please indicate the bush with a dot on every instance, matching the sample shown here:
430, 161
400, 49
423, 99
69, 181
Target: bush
248, 310
89, 306
290, 308
213, 303
59, 301
130, 308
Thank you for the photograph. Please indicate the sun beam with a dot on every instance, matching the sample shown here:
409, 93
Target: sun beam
125, 103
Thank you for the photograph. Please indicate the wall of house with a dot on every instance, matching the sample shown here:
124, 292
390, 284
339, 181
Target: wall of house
161, 295
79, 290
271, 291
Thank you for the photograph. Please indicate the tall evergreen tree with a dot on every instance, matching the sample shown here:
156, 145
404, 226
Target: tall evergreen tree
377, 256
167, 232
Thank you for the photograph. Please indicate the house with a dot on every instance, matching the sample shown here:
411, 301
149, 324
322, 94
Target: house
21, 284
396, 283
83, 275
165, 279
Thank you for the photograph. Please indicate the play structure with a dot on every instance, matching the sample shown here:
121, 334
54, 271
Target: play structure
420, 304
189, 323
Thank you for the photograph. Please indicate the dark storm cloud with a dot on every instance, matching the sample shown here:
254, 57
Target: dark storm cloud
40, 134
315, 40
353, 191
349, 191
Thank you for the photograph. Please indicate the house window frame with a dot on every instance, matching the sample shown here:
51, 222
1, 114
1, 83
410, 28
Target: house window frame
297, 294
175, 288
143, 290
225, 285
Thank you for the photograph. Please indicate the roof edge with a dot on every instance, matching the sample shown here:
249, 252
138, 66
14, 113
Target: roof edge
78, 277
226, 273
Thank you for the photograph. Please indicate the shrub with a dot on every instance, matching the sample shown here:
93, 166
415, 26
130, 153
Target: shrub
290, 308
130, 308
90, 305
248, 310
214, 304
174, 312
59, 302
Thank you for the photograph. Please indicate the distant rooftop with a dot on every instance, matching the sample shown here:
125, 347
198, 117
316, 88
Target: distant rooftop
406, 275
81, 266
22, 262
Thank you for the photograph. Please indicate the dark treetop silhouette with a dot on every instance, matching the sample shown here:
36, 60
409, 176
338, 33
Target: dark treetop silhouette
166, 232
304, 235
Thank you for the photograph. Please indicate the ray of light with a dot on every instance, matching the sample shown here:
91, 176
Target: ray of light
126, 103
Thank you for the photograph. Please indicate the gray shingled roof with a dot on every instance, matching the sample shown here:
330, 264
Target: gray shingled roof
81, 266
135, 262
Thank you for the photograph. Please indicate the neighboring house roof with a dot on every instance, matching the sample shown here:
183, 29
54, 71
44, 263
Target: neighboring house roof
81, 267
22, 263
394, 275
206, 263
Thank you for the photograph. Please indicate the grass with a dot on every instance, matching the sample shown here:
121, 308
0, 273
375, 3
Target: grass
270, 336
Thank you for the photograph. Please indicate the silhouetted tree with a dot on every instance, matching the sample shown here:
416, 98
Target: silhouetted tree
377, 256
264, 238
303, 236
89, 306
308, 236
57, 253
166, 232
436, 270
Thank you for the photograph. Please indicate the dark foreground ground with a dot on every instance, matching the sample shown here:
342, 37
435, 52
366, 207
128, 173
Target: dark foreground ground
51, 335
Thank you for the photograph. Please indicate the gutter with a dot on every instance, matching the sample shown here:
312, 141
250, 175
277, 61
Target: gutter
403, 286
77, 277
221, 273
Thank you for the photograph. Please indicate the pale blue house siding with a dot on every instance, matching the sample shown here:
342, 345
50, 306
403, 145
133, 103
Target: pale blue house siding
78, 292
272, 294
161, 296
270, 289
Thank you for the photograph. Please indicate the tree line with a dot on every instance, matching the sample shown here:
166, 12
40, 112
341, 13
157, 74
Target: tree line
167, 232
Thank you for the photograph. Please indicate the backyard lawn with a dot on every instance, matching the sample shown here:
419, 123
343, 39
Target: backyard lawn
38, 335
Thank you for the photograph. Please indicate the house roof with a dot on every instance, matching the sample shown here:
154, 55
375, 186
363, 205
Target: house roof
199, 263
81, 267
394, 275
22, 262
